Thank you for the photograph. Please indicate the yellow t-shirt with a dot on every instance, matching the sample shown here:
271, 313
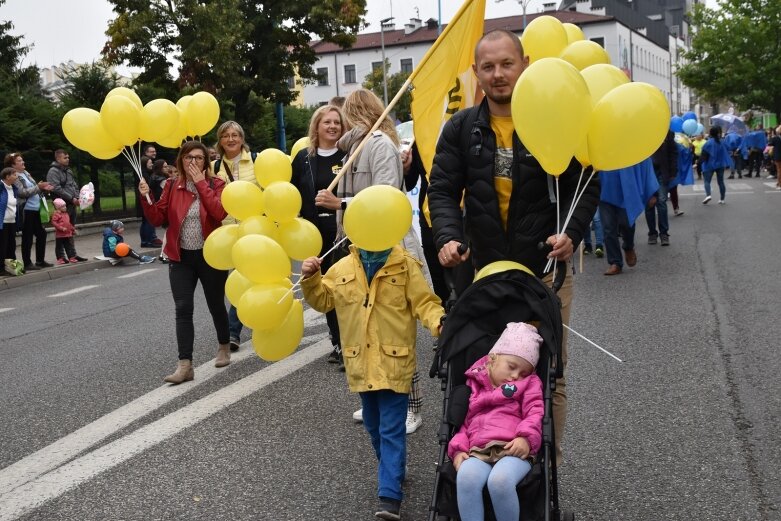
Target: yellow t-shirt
698, 144
503, 162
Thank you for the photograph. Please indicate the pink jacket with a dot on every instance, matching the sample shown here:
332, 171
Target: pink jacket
62, 225
499, 414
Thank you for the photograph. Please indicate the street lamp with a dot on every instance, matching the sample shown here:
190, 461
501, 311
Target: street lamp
524, 5
384, 71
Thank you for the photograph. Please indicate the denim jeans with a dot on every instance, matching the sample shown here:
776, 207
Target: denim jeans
234, 324
384, 417
501, 479
615, 222
596, 225
147, 232
184, 276
719, 179
660, 210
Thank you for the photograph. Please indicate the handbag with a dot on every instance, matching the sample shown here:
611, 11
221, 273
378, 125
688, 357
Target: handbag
43, 211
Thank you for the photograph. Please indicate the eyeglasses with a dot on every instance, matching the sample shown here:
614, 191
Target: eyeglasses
194, 158
230, 136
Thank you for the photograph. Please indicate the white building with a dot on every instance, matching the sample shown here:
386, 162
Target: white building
344, 70
52, 82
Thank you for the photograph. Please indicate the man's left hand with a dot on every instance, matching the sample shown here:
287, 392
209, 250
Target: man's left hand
562, 247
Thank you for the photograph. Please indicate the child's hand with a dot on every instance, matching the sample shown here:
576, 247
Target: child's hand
310, 266
459, 459
518, 447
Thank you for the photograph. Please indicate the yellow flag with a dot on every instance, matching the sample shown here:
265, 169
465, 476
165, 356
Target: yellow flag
444, 82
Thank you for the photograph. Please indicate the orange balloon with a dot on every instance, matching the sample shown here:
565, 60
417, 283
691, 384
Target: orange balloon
122, 249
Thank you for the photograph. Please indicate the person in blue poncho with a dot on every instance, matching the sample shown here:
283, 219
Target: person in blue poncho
733, 142
753, 145
715, 158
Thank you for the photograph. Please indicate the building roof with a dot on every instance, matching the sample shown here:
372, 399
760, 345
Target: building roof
428, 35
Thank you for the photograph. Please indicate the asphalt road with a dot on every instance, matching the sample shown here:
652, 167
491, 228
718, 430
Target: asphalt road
686, 427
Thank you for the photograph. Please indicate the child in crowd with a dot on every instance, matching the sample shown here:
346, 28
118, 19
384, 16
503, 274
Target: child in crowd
64, 246
112, 236
503, 425
378, 296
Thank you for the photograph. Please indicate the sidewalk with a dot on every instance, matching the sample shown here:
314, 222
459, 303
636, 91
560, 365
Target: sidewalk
89, 244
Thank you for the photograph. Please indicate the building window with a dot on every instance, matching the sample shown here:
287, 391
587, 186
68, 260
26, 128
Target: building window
600, 40
322, 76
349, 74
406, 65
291, 82
376, 66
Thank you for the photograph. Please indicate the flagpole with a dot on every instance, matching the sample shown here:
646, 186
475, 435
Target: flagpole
400, 93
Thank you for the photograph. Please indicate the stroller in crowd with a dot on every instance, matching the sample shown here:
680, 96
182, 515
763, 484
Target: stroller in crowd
473, 325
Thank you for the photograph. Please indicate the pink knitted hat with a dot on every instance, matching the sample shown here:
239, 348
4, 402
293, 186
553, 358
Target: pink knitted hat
519, 339
59, 203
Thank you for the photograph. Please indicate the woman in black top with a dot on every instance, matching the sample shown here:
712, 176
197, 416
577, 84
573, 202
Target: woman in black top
313, 170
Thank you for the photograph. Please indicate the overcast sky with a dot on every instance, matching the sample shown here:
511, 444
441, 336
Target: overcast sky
63, 30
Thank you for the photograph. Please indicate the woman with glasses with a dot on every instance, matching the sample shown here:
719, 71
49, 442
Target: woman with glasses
191, 207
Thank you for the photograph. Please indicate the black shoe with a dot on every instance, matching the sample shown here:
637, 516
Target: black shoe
147, 245
388, 509
44, 264
31, 267
234, 345
587, 249
731, 177
335, 356
652, 239
665, 240
80, 259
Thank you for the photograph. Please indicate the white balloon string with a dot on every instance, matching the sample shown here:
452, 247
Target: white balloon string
571, 211
558, 222
293, 288
593, 344
336, 245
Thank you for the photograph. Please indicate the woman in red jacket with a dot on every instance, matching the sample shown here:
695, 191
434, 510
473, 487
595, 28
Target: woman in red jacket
191, 207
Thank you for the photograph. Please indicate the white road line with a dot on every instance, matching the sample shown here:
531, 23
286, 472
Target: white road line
35, 493
6, 309
136, 274
54, 455
72, 291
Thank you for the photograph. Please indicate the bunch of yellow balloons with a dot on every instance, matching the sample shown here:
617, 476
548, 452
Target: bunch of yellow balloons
124, 120
571, 102
260, 247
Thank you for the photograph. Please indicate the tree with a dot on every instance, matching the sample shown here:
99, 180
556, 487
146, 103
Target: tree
736, 53
87, 86
240, 50
374, 83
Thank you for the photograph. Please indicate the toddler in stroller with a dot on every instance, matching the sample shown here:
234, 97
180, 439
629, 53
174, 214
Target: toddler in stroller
503, 425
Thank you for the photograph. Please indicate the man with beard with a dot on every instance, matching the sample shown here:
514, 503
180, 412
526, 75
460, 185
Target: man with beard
509, 200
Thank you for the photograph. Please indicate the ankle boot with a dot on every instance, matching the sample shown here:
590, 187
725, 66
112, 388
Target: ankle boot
184, 373
223, 356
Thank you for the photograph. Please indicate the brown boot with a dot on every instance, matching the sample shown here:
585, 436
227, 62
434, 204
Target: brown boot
184, 373
223, 356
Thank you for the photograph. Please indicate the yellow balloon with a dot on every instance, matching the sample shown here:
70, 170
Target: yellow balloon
120, 117
501, 266
584, 53
602, 78
271, 166
217, 249
298, 146
184, 120
259, 225
242, 199
378, 217
261, 259
627, 125
172, 141
300, 239
544, 37
159, 119
127, 93
282, 200
551, 107
203, 112
105, 154
235, 286
581, 153
574, 33
281, 342
264, 306
84, 130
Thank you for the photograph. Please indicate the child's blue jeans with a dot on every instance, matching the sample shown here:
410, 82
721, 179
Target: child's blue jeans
385, 416
501, 477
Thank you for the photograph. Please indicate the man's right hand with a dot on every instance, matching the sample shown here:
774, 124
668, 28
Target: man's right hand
449, 257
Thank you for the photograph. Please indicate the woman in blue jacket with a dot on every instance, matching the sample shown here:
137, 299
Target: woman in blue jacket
715, 158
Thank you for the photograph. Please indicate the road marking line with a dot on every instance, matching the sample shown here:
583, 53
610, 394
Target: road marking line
72, 291
44, 460
6, 309
54, 484
136, 274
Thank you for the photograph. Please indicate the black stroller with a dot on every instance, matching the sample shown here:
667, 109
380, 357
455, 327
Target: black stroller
473, 325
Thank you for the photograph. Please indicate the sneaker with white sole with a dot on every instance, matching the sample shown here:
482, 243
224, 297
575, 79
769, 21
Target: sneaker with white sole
706, 200
414, 421
722, 201
358, 415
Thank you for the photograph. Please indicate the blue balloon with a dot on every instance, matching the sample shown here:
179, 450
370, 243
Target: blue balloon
689, 115
689, 127
676, 124
700, 129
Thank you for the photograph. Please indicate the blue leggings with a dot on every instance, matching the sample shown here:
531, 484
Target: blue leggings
501, 477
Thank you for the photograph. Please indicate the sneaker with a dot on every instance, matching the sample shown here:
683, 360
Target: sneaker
599, 251
31, 267
414, 421
147, 245
678, 212
146, 259
79, 259
157, 242
388, 509
44, 264
652, 239
61, 262
665, 240
234, 343
333, 358
722, 201
358, 415
706, 200
73, 260
587, 249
